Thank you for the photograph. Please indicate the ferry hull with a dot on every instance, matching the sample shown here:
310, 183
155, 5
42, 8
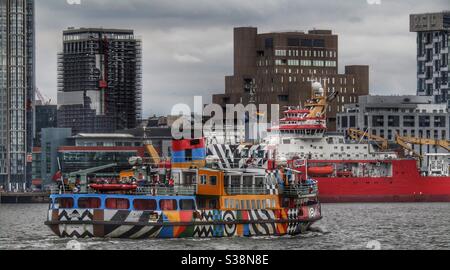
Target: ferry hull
181, 224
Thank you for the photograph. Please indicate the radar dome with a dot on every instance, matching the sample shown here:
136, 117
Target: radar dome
316, 86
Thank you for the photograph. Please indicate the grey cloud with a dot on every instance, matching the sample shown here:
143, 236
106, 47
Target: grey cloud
200, 34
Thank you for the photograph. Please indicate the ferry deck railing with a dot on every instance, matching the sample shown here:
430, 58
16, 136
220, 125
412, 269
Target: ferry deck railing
246, 190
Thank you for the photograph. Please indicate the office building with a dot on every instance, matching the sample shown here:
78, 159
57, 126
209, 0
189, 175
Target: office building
99, 80
433, 36
46, 117
282, 66
17, 90
386, 116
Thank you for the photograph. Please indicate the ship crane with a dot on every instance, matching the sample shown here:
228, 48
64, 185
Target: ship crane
359, 135
408, 143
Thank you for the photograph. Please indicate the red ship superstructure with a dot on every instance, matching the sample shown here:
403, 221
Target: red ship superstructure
346, 170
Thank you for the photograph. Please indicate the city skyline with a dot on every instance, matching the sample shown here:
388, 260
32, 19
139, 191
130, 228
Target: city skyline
187, 49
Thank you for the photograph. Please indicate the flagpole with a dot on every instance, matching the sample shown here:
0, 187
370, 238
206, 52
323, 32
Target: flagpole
62, 178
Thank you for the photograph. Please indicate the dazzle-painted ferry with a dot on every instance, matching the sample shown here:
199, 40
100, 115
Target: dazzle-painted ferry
185, 198
346, 170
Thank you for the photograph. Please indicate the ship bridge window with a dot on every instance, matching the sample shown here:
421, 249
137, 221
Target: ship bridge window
213, 180
114, 203
145, 205
248, 181
168, 205
89, 203
187, 204
64, 203
259, 181
203, 179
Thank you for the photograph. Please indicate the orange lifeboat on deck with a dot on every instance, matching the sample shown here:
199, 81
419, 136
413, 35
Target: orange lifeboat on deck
320, 171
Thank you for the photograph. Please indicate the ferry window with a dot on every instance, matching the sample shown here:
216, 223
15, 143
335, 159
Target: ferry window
212, 204
248, 181
143, 205
253, 204
87, 203
263, 202
258, 204
203, 179
213, 180
248, 204
267, 203
242, 204
64, 203
226, 203
274, 205
187, 205
117, 203
168, 205
259, 181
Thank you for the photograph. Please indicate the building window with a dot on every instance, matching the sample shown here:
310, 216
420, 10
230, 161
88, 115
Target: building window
393, 121
378, 121
424, 121
283, 98
268, 43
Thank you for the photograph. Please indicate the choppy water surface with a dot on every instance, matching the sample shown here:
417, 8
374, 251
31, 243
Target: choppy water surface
345, 226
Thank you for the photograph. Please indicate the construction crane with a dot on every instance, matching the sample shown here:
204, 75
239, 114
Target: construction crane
44, 99
359, 135
408, 143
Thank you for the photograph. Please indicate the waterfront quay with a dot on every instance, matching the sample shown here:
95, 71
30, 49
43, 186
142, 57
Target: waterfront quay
24, 197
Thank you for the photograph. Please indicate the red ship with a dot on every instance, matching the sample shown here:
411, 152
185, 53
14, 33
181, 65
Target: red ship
347, 170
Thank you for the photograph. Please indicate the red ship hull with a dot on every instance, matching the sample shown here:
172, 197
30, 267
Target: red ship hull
405, 185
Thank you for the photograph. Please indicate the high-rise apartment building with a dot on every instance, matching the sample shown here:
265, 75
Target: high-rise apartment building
433, 45
282, 66
17, 90
99, 80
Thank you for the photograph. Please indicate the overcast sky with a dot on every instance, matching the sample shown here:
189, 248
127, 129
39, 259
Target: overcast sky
188, 44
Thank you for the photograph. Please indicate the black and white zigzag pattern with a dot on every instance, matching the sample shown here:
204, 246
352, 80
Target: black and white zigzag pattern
293, 225
204, 231
76, 231
75, 215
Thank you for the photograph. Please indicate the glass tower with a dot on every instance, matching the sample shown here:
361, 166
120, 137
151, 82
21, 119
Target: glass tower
17, 84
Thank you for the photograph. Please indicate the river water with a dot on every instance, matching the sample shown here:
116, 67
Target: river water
345, 226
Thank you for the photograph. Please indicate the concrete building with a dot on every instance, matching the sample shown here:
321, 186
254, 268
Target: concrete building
17, 90
385, 116
99, 80
433, 67
45, 162
46, 117
282, 66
